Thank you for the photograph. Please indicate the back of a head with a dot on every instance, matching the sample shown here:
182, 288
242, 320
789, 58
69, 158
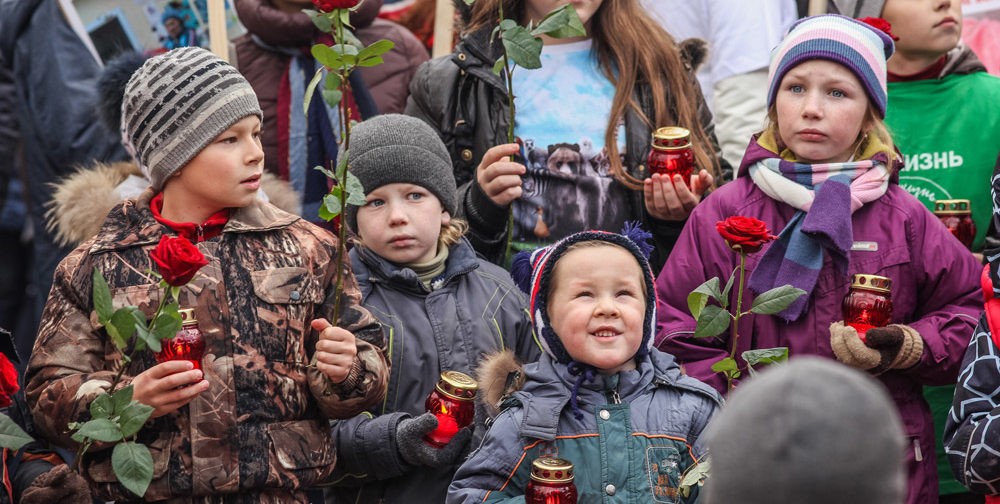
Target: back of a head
810, 431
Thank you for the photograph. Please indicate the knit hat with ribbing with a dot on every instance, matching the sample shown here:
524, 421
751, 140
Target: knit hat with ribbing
395, 148
179, 102
812, 430
858, 8
859, 47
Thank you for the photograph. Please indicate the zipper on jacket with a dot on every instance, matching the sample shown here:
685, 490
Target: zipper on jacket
200, 234
917, 454
614, 397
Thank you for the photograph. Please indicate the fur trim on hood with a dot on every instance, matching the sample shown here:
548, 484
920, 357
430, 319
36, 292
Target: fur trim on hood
82, 200
499, 375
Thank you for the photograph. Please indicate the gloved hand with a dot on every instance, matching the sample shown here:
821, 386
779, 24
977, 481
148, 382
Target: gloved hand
59, 484
895, 346
410, 443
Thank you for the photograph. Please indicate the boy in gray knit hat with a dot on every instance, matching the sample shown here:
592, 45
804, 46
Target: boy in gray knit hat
275, 370
443, 306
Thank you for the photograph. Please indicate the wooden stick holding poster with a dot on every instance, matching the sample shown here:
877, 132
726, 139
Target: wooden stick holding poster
444, 25
217, 34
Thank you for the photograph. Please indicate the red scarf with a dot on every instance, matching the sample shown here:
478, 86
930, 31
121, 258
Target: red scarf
931, 72
209, 229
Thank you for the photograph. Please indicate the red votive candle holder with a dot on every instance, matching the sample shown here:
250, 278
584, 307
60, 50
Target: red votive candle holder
452, 403
868, 303
956, 215
671, 153
187, 345
551, 482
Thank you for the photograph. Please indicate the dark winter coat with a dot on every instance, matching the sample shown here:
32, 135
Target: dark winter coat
474, 311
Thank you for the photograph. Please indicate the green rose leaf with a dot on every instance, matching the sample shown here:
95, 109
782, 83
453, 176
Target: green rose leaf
321, 21
116, 339
311, 87
711, 290
563, 22
134, 417
696, 303
102, 298
332, 96
506, 24
499, 65
775, 300
327, 56
764, 356
696, 474
330, 207
121, 399
101, 429
145, 339
355, 191
522, 47
727, 366
167, 323
712, 322
102, 406
11, 435
133, 465
329, 174
372, 55
124, 322
729, 285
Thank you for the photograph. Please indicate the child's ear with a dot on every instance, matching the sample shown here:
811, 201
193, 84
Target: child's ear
445, 218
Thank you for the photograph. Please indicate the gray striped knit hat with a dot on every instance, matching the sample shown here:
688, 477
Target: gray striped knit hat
176, 104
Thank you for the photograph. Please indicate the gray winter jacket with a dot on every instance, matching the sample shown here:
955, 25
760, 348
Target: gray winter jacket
476, 309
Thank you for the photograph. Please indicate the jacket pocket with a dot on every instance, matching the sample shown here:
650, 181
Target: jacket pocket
286, 301
145, 296
302, 452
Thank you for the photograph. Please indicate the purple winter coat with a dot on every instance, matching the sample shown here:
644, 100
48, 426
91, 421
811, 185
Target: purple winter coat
935, 290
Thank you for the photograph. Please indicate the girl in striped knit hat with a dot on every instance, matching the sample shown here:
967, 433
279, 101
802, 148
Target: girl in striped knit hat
824, 173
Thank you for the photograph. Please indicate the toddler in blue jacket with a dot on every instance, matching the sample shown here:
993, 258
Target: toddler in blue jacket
600, 396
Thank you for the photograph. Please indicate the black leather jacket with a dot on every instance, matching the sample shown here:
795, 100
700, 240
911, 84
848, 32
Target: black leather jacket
461, 97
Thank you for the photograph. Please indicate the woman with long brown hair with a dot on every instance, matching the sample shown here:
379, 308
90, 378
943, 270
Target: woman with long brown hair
583, 122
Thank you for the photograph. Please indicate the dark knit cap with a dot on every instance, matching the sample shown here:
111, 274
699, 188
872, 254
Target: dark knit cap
812, 430
176, 104
395, 148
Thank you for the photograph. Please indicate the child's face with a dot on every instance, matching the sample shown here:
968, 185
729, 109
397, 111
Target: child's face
402, 223
598, 305
926, 28
821, 109
225, 174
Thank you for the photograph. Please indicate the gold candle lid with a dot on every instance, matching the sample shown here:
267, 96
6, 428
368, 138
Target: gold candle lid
187, 316
457, 385
952, 207
871, 282
671, 137
551, 470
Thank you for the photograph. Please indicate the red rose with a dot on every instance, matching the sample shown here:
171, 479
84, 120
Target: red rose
330, 5
177, 259
8, 381
881, 25
744, 234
